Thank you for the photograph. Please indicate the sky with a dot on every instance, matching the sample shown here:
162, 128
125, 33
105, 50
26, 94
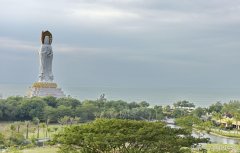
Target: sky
124, 43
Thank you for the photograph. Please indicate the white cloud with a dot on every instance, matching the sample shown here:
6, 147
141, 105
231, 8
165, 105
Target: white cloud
27, 46
13, 44
157, 32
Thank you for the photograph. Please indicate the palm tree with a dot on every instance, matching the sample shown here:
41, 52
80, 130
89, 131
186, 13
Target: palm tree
43, 126
76, 119
229, 124
18, 124
219, 117
12, 128
49, 130
71, 120
47, 122
237, 118
55, 129
63, 120
37, 121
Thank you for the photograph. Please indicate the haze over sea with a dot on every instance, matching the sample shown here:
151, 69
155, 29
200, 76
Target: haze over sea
155, 96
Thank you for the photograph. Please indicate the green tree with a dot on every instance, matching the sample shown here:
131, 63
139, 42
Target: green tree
217, 107
43, 126
68, 102
13, 129
183, 103
114, 135
159, 112
231, 107
218, 116
27, 123
237, 118
188, 122
16, 139
31, 108
229, 124
18, 125
2, 140
51, 101
144, 104
36, 121
167, 108
198, 112
177, 112
64, 120
47, 123
86, 111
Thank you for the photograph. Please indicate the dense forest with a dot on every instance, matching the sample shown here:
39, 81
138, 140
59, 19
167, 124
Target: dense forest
53, 109
50, 108
125, 126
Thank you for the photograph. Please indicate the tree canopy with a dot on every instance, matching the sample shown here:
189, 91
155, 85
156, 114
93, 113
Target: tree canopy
23, 108
117, 135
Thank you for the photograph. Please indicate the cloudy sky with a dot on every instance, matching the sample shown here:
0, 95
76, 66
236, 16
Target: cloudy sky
124, 43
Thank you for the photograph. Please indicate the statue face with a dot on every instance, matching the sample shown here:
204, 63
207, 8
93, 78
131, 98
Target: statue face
46, 40
46, 37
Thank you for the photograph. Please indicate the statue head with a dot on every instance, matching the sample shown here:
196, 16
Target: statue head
46, 37
46, 40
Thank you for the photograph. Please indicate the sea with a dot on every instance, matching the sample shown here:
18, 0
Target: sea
202, 97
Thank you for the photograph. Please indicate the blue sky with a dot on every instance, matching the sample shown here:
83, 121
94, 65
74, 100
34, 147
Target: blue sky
124, 43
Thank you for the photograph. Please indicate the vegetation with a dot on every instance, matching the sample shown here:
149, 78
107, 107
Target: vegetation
112, 125
48, 149
116, 135
51, 110
183, 104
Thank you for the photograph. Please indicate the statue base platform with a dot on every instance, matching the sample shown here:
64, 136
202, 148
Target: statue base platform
43, 89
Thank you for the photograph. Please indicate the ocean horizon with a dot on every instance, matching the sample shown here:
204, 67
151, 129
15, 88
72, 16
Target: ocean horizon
155, 96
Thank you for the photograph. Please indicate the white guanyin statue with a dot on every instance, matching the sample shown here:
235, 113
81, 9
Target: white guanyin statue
45, 85
46, 57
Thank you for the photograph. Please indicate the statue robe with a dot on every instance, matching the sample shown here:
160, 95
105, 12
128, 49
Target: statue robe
46, 57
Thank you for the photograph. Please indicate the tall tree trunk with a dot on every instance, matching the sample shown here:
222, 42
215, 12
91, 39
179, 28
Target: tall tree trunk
18, 128
38, 130
27, 131
47, 130
237, 126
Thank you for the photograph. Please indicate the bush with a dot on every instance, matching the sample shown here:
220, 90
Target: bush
16, 139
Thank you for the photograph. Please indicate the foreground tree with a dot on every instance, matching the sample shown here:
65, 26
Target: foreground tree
36, 121
237, 118
2, 140
115, 135
18, 125
188, 122
27, 123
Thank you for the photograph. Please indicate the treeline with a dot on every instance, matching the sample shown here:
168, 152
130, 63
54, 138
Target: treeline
53, 109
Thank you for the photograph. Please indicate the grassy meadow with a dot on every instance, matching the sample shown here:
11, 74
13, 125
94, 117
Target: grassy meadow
5, 127
47, 149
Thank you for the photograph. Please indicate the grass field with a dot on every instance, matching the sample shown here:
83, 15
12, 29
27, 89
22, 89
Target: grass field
212, 148
37, 150
52, 129
221, 148
5, 127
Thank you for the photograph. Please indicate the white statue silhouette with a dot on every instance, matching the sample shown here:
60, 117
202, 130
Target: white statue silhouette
46, 57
